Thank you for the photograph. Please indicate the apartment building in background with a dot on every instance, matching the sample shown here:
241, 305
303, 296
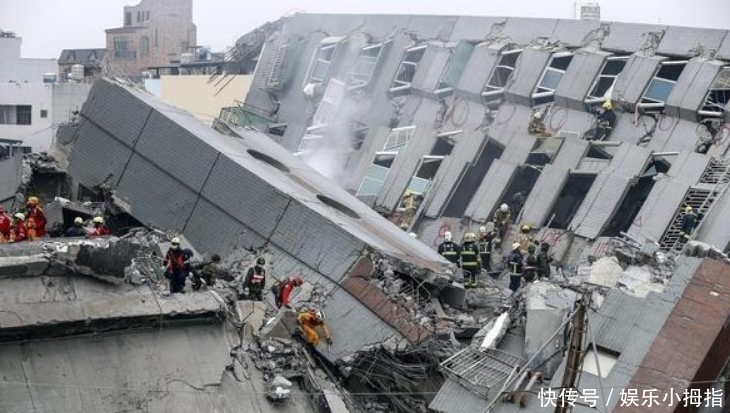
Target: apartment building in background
155, 33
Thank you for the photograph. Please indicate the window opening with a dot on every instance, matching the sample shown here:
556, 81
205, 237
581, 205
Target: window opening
44, 113
454, 68
551, 76
603, 85
121, 46
278, 129
15, 114
471, 178
144, 46
364, 68
606, 360
407, 68
128, 18
633, 201
429, 165
572, 195
322, 62
659, 89
519, 188
718, 96
399, 138
501, 74
327, 109
377, 172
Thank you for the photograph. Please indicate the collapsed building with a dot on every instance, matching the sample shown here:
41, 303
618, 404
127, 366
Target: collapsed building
379, 105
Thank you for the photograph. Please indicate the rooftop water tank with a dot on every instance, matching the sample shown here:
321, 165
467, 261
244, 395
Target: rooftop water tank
77, 72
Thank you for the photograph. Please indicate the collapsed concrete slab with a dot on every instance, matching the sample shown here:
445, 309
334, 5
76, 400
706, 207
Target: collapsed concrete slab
547, 306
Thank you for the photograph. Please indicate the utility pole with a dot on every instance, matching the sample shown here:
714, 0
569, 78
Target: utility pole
572, 368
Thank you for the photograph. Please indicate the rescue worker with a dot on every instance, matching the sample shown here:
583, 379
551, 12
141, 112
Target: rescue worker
524, 237
284, 289
35, 219
536, 126
208, 272
469, 253
19, 232
514, 263
408, 209
308, 322
255, 281
449, 249
5, 224
605, 121
501, 222
529, 271
77, 230
543, 261
100, 229
175, 263
486, 244
689, 221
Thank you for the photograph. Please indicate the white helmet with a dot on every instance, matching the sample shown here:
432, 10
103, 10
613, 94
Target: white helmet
20, 216
319, 315
98, 220
175, 240
504, 208
78, 220
483, 230
447, 235
515, 246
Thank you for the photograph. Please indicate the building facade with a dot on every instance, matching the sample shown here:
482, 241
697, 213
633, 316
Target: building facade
155, 33
32, 103
88, 59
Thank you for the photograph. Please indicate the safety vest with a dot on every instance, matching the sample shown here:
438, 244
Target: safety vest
485, 245
515, 264
450, 251
469, 255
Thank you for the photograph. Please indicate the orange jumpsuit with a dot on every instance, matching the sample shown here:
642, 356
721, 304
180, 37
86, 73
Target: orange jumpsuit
308, 323
19, 232
36, 223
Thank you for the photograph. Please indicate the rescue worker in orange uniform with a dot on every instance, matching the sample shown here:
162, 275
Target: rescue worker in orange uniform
100, 229
309, 321
284, 290
5, 224
19, 232
35, 219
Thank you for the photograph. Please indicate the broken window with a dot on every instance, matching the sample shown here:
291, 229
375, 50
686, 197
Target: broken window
364, 68
601, 359
659, 89
603, 86
718, 96
454, 68
377, 172
574, 192
15, 114
545, 90
399, 138
329, 105
407, 68
501, 74
322, 62
429, 165
471, 178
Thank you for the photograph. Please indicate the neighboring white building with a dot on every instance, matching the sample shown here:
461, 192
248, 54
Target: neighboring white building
31, 108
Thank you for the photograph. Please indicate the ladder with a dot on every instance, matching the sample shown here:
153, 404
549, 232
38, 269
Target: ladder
701, 198
273, 80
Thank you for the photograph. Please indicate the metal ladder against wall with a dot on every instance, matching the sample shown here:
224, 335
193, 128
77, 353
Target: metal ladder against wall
701, 198
273, 80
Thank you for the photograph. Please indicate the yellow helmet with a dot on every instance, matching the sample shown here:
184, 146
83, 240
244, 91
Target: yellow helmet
688, 209
515, 246
175, 240
33, 200
526, 227
607, 105
469, 237
408, 193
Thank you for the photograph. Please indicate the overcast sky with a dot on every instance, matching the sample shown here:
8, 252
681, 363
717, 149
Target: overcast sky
48, 26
